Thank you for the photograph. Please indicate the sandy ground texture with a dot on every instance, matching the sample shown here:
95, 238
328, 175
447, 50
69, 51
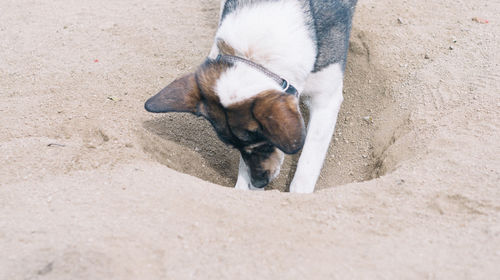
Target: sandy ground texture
93, 187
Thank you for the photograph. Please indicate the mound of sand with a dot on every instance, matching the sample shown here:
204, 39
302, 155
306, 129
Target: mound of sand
93, 187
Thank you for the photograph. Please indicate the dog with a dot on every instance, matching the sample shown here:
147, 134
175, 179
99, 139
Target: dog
266, 54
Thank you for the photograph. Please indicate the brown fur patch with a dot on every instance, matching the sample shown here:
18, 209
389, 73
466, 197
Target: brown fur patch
225, 48
241, 119
281, 121
206, 77
272, 163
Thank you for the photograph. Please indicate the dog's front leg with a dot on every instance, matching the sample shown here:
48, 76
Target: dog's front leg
325, 89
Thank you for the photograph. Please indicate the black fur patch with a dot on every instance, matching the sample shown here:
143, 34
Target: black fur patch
332, 24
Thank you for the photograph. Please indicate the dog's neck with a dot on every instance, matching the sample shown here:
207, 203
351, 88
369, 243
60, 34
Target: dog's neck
272, 34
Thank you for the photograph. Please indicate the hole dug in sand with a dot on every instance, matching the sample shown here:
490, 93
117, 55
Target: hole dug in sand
362, 148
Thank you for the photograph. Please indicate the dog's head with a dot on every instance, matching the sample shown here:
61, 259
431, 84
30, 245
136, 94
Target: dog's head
260, 126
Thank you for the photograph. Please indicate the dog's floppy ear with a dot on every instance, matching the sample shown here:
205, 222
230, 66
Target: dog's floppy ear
182, 95
281, 120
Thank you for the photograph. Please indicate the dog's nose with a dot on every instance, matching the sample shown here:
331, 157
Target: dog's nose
260, 183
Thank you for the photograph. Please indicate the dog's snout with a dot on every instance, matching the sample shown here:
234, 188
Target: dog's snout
260, 182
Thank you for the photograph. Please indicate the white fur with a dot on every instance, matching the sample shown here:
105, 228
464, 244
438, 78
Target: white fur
325, 89
242, 82
285, 48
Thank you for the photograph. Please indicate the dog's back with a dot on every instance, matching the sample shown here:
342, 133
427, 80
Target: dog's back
329, 22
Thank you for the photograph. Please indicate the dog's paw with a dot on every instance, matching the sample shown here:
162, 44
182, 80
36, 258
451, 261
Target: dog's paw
240, 185
298, 187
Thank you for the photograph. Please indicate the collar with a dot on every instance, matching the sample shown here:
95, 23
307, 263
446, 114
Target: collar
284, 84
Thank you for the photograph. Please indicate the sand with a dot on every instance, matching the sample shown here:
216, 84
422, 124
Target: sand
94, 187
